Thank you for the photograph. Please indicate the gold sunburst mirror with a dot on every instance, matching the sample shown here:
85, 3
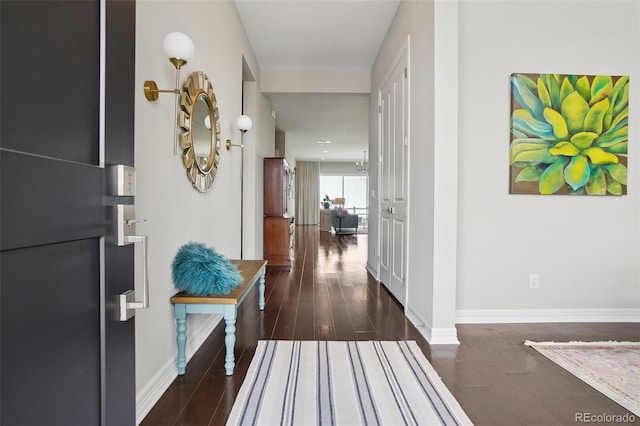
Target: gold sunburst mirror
200, 141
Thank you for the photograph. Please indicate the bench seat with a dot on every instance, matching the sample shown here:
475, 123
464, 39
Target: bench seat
252, 272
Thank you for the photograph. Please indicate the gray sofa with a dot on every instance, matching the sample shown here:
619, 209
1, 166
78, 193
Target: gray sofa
343, 222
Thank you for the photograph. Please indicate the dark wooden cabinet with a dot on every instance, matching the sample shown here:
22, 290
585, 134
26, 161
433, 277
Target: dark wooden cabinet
276, 186
278, 223
278, 242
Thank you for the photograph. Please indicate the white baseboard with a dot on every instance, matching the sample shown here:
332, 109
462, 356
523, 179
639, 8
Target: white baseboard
435, 336
373, 271
497, 316
444, 336
147, 397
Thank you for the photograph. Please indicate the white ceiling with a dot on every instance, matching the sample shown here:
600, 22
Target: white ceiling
341, 119
319, 34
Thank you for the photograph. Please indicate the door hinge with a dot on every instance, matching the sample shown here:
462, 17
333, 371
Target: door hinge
379, 109
406, 73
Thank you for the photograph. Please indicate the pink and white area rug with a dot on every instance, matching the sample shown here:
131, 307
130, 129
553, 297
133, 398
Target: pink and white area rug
612, 368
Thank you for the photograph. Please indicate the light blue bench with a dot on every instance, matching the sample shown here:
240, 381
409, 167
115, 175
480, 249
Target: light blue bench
252, 271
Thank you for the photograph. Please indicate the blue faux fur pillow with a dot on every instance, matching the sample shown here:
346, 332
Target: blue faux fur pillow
198, 269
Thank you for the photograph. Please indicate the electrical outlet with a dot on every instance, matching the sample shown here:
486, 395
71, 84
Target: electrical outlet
534, 280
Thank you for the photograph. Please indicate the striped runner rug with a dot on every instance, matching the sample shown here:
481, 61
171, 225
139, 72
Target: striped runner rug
343, 383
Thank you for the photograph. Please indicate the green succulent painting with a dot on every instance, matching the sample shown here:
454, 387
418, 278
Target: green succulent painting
569, 134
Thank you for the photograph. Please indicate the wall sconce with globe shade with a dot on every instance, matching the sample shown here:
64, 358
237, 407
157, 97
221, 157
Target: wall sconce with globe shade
244, 124
179, 49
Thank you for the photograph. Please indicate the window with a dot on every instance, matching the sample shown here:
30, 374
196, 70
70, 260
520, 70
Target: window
331, 186
353, 188
355, 191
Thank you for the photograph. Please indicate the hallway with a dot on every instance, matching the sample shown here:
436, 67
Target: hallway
328, 295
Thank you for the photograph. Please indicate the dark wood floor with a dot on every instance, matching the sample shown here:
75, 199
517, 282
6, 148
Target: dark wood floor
328, 295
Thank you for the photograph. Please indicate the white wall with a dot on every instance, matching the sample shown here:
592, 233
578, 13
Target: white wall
175, 212
584, 248
280, 143
259, 143
472, 245
445, 170
338, 168
414, 19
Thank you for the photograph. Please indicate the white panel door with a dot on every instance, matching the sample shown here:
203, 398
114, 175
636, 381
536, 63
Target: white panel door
385, 113
393, 171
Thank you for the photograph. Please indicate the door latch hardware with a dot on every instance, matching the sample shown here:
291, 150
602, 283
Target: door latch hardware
126, 232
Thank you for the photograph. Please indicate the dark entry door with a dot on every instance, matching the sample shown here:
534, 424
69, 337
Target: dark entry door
66, 113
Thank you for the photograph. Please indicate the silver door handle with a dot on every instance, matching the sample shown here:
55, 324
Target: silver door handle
126, 234
144, 303
390, 210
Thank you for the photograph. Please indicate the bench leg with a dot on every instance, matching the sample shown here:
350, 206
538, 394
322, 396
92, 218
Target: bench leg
261, 291
181, 321
230, 339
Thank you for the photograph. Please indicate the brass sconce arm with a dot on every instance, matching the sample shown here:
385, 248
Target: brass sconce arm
151, 90
229, 144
